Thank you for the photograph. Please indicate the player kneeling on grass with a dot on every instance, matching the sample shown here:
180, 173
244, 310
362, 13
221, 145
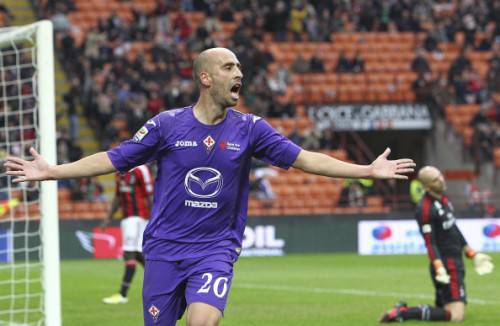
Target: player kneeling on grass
445, 245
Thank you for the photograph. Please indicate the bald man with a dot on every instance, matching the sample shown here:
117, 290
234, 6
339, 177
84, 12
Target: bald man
445, 246
203, 153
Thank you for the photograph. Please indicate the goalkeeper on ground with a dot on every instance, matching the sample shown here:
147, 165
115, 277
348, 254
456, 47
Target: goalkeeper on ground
445, 247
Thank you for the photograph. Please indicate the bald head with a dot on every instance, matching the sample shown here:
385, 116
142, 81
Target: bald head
427, 174
207, 59
432, 179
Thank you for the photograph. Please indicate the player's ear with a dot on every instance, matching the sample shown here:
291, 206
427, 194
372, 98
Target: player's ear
205, 79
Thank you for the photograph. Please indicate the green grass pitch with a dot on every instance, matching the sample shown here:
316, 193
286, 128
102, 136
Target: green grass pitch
326, 289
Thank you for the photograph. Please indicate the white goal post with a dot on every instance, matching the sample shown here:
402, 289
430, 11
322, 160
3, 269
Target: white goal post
27, 58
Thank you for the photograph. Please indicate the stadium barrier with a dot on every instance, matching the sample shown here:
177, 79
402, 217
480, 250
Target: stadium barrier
402, 237
276, 236
83, 239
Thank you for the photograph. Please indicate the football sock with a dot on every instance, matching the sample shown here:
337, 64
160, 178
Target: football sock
127, 277
426, 312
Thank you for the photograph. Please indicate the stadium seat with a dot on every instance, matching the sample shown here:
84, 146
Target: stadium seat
374, 201
496, 155
63, 194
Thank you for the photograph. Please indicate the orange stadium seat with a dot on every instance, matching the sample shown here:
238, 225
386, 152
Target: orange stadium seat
496, 156
374, 201
459, 116
64, 194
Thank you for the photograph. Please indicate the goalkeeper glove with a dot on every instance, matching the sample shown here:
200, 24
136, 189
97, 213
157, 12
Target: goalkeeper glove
441, 273
482, 263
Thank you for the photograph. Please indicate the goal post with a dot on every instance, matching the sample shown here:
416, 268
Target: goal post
27, 103
48, 194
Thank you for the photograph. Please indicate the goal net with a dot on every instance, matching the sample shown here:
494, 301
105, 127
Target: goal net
29, 233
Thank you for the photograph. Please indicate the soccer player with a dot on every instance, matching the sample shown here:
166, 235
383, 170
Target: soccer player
200, 202
133, 191
445, 246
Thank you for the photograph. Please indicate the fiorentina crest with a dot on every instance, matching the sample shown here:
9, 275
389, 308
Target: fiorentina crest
154, 312
209, 143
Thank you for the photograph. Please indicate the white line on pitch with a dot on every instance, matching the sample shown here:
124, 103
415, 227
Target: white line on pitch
355, 292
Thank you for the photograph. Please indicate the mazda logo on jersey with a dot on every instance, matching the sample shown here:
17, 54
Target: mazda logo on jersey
203, 182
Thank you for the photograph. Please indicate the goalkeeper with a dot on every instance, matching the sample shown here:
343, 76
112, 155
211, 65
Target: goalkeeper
445, 246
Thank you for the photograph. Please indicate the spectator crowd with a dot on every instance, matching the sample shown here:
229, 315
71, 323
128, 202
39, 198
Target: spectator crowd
126, 71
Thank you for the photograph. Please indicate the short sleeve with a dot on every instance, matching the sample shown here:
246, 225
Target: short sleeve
142, 148
272, 147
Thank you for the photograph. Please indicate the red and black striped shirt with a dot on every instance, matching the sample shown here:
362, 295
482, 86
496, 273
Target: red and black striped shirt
438, 227
133, 189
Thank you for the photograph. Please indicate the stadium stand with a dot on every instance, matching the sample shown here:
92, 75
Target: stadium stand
460, 117
133, 59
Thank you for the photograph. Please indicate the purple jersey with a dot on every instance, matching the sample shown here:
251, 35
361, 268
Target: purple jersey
201, 189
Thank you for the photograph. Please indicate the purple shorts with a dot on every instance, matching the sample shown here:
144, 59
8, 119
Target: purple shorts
170, 286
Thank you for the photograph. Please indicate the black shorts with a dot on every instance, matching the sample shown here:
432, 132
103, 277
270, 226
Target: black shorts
455, 290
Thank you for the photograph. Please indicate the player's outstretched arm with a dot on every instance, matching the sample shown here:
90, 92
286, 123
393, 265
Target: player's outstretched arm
39, 169
381, 168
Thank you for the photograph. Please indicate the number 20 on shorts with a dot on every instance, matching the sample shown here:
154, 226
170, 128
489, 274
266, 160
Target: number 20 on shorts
216, 285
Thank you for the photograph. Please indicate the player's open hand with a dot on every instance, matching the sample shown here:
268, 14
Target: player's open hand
382, 168
24, 170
